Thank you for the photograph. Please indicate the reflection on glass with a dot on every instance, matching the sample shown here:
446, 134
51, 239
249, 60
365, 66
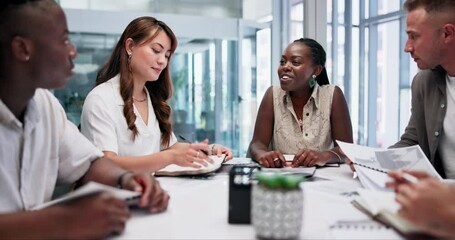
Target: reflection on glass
197, 67
208, 8
388, 6
198, 113
93, 50
388, 55
296, 21
405, 108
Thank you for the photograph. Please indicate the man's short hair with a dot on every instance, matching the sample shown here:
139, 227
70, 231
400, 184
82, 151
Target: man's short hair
430, 6
14, 19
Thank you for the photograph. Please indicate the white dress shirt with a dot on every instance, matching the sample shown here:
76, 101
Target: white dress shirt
447, 142
36, 154
103, 123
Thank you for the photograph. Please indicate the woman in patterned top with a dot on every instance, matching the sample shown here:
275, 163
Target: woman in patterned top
304, 115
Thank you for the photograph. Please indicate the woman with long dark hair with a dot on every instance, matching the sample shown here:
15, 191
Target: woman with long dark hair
127, 115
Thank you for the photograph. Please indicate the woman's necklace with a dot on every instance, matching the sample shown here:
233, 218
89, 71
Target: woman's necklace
300, 122
140, 100
297, 104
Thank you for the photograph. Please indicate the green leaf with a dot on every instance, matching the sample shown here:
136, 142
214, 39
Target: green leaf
278, 180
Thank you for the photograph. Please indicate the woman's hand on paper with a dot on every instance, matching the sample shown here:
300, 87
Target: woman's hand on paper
309, 158
272, 159
153, 196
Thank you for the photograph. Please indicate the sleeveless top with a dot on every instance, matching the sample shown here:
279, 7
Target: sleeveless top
316, 132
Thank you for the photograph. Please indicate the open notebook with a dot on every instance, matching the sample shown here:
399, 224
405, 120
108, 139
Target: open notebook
382, 207
175, 170
329, 214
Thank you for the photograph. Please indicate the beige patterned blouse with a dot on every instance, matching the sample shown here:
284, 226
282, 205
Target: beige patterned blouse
316, 132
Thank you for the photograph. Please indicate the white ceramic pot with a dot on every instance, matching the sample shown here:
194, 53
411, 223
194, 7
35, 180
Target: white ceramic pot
276, 213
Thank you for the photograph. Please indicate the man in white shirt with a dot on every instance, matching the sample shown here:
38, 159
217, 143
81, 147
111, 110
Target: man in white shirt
428, 203
39, 147
430, 26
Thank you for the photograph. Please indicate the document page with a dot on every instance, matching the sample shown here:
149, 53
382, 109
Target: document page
91, 188
373, 164
306, 171
239, 161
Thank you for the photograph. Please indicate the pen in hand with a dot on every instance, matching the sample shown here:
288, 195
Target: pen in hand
408, 177
354, 175
188, 141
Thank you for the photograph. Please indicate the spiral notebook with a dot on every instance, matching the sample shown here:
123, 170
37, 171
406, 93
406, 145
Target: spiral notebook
382, 207
361, 229
372, 164
372, 168
329, 214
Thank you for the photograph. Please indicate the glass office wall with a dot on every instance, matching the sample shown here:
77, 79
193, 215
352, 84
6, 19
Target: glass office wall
220, 76
297, 20
387, 63
93, 50
208, 8
365, 49
217, 74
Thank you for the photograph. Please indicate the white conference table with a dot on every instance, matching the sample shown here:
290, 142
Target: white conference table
198, 209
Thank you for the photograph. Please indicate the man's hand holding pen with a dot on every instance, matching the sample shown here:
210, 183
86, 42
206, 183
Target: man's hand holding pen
152, 197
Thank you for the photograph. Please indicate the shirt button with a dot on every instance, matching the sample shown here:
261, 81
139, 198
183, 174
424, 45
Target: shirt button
307, 114
443, 105
306, 134
436, 133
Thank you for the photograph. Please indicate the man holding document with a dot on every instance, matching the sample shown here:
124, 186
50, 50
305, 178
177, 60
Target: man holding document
39, 147
427, 202
431, 42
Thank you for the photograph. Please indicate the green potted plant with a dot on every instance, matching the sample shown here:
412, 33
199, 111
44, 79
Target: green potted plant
277, 205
